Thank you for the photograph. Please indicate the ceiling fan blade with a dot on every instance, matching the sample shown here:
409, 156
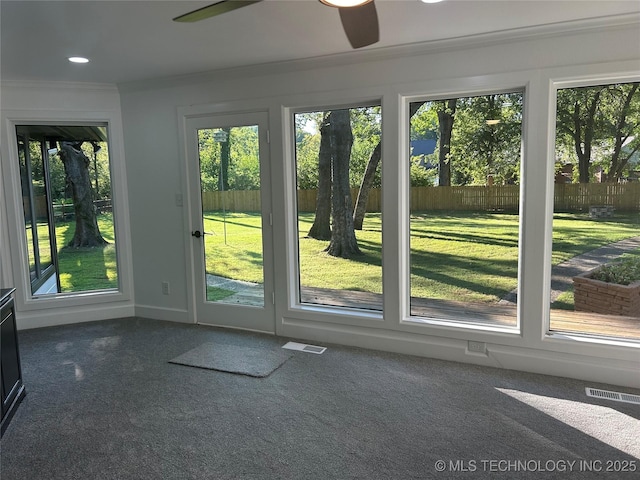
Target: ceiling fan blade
361, 24
214, 9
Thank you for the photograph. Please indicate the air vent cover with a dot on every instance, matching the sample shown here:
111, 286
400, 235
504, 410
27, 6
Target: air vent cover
615, 396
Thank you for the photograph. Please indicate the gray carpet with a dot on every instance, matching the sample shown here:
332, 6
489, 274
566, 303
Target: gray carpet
104, 403
251, 360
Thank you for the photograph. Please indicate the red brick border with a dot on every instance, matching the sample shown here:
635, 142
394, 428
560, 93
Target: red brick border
607, 298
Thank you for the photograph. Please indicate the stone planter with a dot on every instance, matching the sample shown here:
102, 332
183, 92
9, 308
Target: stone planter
606, 298
601, 211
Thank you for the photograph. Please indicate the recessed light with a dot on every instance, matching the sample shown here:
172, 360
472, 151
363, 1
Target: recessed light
344, 3
78, 60
431, 1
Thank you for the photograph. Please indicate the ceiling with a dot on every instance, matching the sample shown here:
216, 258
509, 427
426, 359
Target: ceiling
131, 41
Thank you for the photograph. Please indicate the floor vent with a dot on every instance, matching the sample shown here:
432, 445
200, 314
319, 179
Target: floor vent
615, 396
302, 347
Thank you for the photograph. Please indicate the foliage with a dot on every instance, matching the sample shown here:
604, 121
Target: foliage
366, 127
622, 272
484, 148
424, 124
420, 175
485, 140
598, 128
244, 161
99, 172
307, 148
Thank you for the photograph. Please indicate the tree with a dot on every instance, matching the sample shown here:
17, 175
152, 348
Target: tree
369, 175
321, 228
343, 239
225, 151
365, 187
576, 110
487, 139
76, 166
624, 106
244, 158
446, 116
599, 124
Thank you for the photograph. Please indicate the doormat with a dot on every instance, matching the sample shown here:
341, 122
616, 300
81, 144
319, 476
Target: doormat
255, 361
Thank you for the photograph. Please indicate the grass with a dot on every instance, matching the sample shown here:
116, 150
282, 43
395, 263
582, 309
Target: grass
83, 269
471, 257
215, 294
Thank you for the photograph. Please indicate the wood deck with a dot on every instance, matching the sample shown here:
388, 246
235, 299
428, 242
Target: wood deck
496, 315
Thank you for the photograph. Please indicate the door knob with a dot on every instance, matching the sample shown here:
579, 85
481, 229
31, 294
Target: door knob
197, 234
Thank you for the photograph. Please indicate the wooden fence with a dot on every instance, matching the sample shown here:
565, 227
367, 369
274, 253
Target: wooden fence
60, 210
232, 201
578, 197
570, 197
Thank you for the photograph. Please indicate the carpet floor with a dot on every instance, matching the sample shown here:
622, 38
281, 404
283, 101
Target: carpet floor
103, 402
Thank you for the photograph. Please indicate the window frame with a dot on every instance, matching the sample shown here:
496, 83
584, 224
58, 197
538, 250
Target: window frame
25, 300
294, 307
565, 80
295, 303
449, 322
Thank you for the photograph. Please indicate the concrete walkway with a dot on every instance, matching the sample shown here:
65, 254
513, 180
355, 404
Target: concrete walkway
246, 293
563, 273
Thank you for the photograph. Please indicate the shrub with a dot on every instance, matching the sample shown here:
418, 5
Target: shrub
622, 272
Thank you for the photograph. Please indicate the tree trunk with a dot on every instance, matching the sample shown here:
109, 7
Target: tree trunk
446, 116
76, 167
225, 151
321, 228
365, 187
622, 134
369, 175
343, 238
584, 130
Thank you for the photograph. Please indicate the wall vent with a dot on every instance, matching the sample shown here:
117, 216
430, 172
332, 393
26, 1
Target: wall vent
615, 396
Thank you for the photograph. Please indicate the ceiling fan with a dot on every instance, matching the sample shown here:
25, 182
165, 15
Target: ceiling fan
359, 17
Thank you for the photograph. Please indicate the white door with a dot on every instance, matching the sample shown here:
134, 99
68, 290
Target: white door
230, 213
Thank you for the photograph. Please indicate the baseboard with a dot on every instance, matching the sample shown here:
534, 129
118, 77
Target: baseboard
580, 367
600, 370
69, 315
162, 313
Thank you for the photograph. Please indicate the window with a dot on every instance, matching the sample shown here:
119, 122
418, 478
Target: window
595, 276
66, 191
465, 157
338, 153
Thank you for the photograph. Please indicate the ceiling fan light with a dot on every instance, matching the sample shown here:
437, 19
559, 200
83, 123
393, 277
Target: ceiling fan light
344, 3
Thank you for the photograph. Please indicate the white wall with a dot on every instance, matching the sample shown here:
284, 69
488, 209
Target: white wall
37, 103
153, 116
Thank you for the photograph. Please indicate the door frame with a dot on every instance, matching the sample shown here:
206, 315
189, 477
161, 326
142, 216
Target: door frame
42, 274
244, 317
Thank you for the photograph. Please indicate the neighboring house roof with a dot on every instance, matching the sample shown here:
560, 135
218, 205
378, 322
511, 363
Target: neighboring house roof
422, 147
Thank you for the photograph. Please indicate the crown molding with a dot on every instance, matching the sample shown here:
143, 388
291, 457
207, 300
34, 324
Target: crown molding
58, 85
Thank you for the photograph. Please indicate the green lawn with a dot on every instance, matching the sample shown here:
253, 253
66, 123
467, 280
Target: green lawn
465, 256
83, 269
454, 255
